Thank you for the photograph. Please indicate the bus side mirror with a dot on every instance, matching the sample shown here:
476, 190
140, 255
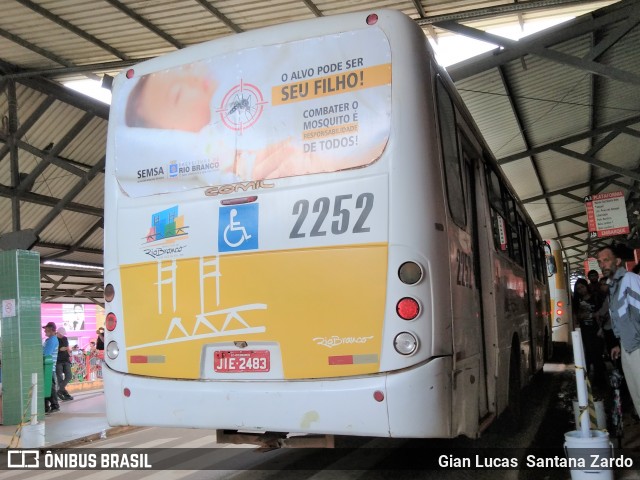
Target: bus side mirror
552, 269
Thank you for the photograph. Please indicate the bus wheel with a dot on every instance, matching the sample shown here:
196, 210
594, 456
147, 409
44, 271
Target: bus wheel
547, 348
513, 412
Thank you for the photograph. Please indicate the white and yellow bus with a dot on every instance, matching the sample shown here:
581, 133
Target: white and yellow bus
305, 233
559, 291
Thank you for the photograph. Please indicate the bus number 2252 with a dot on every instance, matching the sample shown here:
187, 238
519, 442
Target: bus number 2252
342, 210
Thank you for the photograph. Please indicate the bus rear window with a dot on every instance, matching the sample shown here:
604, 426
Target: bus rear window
259, 113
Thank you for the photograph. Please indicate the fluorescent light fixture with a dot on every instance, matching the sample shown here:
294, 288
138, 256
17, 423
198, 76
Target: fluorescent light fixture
85, 266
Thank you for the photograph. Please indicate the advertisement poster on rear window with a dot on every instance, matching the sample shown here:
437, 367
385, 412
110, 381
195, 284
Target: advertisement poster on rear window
259, 113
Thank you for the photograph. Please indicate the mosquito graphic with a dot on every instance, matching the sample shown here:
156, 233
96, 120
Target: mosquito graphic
241, 103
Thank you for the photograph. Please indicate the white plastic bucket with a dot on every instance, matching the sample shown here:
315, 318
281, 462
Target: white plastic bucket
32, 436
601, 417
578, 447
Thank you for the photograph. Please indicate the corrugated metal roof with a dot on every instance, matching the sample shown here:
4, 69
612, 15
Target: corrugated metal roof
558, 101
486, 97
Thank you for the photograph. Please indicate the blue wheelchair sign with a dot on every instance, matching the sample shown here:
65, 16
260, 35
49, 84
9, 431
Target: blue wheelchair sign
238, 228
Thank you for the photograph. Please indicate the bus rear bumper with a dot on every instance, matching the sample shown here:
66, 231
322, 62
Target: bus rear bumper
416, 403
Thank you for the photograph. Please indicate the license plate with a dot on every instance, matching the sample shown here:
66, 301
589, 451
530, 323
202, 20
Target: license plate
233, 361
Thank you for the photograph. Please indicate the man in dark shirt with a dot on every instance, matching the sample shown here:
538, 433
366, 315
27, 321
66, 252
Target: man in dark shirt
100, 339
63, 365
594, 288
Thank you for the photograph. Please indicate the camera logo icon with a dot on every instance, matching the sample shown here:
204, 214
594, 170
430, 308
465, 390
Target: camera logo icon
23, 459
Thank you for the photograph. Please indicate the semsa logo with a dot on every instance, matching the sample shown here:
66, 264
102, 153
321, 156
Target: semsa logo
153, 172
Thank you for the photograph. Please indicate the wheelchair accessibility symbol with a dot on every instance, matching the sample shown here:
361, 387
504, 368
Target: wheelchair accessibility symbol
238, 228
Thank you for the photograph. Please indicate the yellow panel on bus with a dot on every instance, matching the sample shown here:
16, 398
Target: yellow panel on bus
322, 307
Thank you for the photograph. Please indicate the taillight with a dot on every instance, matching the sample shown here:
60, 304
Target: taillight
111, 321
561, 304
410, 273
405, 343
112, 350
408, 308
559, 312
109, 292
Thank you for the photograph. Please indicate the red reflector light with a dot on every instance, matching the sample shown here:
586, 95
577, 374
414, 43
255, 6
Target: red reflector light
408, 308
126, 392
148, 359
130, 73
372, 19
341, 360
110, 321
378, 396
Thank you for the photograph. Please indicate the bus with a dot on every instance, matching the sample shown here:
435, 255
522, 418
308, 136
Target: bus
559, 292
313, 244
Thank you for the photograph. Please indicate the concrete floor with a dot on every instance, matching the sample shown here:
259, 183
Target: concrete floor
81, 418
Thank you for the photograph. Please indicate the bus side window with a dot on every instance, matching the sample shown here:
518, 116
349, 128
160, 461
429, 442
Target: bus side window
515, 228
507, 222
451, 157
545, 278
497, 211
538, 255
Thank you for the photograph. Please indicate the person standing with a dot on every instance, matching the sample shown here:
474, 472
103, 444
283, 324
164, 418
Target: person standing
624, 308
604, 320
50, 348
100, 340
584, 309
594, 288
63, 365
593, 276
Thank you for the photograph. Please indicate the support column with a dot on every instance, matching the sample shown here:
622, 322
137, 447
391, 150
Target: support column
21, 334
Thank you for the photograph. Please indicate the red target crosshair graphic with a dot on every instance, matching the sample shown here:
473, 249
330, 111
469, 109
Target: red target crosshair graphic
242, 106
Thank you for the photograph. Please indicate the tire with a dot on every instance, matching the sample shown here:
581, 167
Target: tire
547, 348
513, 412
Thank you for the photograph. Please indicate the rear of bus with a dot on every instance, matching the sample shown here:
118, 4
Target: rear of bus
559, 291
295, 296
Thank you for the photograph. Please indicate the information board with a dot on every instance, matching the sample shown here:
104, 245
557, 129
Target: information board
606, 214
